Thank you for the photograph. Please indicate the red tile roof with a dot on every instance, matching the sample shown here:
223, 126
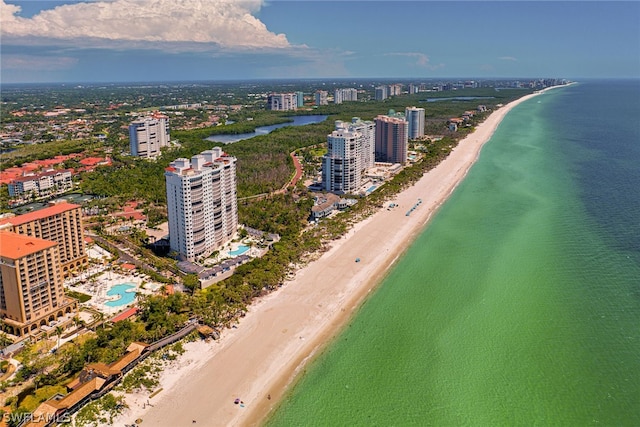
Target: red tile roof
40, 214
91, 161
8, 175
47, 162
134, 215
15, 246
125, 314
30, 166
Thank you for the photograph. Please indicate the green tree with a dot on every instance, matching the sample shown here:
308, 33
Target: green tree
59, 330
191, 282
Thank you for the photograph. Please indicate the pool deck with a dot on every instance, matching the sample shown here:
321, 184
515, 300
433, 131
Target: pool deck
100, 285
228, 252
99, 278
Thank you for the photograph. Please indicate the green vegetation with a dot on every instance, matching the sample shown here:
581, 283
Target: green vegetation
78, 295
146, 375
31, 402
30, 152
101, 412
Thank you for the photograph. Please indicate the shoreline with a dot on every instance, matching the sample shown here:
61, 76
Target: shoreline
259, 360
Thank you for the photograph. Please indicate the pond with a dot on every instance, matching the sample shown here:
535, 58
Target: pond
263, 130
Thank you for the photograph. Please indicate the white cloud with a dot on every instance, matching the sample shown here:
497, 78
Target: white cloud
227, 24
421, 60
508, 58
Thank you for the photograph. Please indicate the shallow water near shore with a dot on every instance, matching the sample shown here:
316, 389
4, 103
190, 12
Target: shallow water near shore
520, 303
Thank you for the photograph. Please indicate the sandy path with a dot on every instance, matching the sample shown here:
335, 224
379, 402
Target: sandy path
284, 329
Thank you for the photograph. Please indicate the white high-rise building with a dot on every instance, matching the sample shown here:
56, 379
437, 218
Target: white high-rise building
367, 130
350, 152
282, 101
415, 118
202, 203
321, 97
341, 95
341, 170
381, 93
148, 135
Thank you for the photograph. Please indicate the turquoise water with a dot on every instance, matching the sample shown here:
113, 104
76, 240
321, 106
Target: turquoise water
121, 290
241, 249
520, 303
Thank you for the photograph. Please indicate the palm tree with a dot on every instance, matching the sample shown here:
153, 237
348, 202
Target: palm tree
59, 331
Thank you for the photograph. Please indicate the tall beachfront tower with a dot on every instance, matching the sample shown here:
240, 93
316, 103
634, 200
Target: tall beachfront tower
300, 99
202, 203
350, 152
367, 141
59, 222
415, 118
31, 291
148, 135
341, 169
282, 101
391, 138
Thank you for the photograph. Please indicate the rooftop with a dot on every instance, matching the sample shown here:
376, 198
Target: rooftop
39, 214
15, 246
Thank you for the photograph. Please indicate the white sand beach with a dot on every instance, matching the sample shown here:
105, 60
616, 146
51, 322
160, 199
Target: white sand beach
258, 361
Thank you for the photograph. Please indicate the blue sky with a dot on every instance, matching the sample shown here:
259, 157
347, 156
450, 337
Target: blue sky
183, 40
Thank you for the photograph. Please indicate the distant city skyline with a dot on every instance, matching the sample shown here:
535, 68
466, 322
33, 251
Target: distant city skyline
191, 40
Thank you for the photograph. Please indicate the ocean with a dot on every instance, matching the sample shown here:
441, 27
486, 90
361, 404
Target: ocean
519, 304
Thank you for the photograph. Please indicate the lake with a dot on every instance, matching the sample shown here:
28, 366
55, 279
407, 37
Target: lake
263, 130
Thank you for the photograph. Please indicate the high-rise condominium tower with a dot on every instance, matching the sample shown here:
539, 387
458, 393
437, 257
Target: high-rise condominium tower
415, 118
282, 101
341, 95
202, 203
321, 97
391, 138
350, 151
148, 135
341, 170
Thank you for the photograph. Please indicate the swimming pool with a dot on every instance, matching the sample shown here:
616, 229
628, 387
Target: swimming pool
241, 249
121, 290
